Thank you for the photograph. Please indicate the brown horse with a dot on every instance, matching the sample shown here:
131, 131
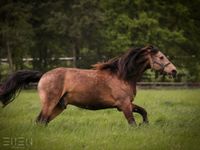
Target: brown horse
109, 85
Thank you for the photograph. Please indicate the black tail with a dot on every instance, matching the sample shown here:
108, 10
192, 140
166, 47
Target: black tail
15, 83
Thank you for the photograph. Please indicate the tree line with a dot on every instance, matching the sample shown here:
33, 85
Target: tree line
97, 30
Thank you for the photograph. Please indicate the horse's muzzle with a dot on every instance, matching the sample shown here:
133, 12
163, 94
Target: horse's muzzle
174, 72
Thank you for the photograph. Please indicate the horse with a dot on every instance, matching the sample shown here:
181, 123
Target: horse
110, 84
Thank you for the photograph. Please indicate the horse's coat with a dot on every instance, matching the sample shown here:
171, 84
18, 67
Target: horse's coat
109, 85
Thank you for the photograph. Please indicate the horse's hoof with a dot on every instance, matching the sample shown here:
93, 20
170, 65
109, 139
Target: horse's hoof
133, 124
144, 123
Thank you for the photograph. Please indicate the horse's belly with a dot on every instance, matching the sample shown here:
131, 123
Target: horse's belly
94, 106
94, 103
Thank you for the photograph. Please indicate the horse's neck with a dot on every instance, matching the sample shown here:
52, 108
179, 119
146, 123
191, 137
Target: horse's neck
140, 73
132, 85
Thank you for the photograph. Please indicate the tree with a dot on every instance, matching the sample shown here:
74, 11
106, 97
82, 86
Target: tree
15, 31
166, 24
97, 30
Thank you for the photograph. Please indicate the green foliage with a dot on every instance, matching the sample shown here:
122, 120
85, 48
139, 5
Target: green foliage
15, 30
96, 30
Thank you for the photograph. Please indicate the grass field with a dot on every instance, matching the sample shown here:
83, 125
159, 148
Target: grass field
174, 117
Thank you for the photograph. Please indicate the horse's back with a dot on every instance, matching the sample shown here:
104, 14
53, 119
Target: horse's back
62, 80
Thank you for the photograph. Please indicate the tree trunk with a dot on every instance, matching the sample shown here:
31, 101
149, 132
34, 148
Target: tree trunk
9, 57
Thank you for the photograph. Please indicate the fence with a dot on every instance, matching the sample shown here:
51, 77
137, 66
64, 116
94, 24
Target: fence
150, 85
157, 85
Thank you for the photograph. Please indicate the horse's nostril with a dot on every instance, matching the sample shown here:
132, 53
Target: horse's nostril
174, 72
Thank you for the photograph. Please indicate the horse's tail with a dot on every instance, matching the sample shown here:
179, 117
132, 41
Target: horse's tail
15, 83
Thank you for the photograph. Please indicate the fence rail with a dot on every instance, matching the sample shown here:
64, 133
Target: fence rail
149, 85
5, 60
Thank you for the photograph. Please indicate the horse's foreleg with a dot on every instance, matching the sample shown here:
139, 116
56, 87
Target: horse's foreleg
126, 108
141, 111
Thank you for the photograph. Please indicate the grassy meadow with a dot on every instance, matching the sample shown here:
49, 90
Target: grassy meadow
174, 117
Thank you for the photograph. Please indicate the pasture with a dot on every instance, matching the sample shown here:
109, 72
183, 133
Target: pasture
174, 117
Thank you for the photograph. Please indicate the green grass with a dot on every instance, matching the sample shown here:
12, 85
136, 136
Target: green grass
174, 117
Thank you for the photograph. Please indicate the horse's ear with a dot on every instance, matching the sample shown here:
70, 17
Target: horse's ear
152, 49
147, 48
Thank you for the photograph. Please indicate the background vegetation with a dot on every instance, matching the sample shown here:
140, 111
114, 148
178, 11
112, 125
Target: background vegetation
97, 30
174, 117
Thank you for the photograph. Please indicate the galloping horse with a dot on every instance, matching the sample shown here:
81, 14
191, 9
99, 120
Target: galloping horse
110, 84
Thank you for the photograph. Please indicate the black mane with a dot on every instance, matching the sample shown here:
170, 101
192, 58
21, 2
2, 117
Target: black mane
130, 65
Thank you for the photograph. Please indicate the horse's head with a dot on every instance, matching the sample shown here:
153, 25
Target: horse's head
159, 62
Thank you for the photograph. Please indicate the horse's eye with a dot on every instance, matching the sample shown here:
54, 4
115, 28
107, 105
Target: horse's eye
161, 57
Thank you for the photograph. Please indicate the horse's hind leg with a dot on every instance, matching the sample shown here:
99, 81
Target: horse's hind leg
50, 89
44, 115
49, 102
50, 111
56, 111
141, 111
41, 119
62, 104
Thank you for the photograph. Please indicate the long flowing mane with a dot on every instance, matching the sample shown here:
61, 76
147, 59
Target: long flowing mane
130, 65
